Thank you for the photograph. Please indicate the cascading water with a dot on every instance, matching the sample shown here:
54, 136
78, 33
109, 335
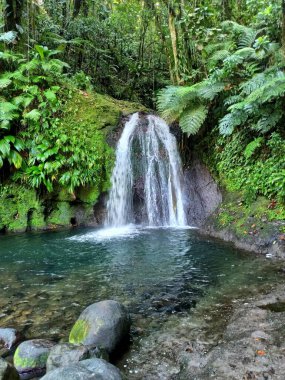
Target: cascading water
147, 152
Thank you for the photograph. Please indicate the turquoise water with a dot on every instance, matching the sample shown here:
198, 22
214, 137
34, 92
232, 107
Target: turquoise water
164, 276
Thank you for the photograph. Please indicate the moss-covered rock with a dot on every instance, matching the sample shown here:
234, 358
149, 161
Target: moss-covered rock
31, 356
257, 226
20, 208
104, 324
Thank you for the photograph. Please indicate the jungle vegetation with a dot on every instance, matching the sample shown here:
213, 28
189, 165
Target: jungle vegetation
217, 67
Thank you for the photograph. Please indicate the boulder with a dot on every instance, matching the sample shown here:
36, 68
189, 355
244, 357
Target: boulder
104, 324
91, 369
31, 357
65, 354
7, 371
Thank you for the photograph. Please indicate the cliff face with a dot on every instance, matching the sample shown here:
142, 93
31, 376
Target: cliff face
203, 195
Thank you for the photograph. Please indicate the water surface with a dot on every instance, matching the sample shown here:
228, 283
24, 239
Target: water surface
169, 278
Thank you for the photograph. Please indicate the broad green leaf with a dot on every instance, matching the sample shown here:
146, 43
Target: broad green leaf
4, 147
16, 159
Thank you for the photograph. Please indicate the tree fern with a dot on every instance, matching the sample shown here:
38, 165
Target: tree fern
192, 119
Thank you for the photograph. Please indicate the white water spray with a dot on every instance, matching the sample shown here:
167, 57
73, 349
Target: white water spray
147, 151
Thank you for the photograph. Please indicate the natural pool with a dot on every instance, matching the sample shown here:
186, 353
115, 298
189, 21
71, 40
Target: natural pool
176, 284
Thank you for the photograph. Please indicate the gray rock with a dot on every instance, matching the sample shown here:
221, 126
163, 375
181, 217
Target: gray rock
7, 371
91, 369
9, 337
31, 357
104, 324
203, 195
65, 354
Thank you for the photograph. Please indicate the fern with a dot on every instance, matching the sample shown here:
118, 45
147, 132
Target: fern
192, 119
8, 111
8, 37
208, 90
252, 146
4, 83
228, 123
266, 123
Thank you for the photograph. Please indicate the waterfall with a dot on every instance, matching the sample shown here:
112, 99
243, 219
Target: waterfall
147, 153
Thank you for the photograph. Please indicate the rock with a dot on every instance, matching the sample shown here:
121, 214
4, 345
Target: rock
104, 324
65, 354
7, 371
9, 337
91, 369
31, 357
202, 193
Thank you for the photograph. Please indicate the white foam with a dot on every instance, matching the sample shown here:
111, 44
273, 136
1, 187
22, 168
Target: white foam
124, 232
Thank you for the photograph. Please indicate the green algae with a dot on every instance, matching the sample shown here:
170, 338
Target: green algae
29, 363
79, 332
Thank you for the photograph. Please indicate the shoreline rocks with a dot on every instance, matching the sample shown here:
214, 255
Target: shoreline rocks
90, 369
65, 354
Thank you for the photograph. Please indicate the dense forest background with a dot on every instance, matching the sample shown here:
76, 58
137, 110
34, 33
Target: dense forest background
216, 67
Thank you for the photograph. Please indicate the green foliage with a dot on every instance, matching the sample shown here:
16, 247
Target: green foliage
252, 146
254, 167
37, 139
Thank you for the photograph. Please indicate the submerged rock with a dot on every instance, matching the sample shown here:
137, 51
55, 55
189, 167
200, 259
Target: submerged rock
65, 354
31, 357
7, 371
104, 324
91, 369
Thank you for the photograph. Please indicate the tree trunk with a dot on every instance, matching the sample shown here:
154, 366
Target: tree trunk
173, 36
77, 6
283, 25
226, 9
85, 8
13, 14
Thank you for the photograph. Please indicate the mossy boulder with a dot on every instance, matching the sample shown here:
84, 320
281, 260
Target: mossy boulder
90, 369
31, 356
104, 324
7, 371
65, 354
20, 209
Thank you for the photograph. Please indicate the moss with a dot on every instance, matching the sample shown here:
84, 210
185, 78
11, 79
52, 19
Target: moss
253, 219
28, 363
20, 208
79, 332
89, 194
61, 215
88, 120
